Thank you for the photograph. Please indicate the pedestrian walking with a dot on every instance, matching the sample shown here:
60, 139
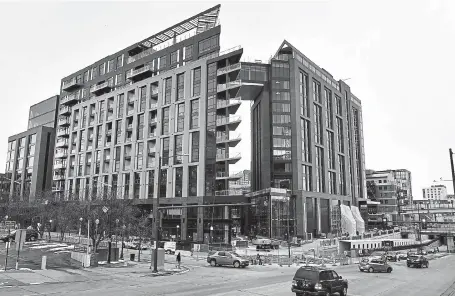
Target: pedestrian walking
178, 259
258, 257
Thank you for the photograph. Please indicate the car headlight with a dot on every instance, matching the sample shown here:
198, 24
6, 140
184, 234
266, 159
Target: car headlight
294, 283
318, 286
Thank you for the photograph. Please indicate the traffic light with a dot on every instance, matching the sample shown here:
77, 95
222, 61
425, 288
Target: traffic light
424, 224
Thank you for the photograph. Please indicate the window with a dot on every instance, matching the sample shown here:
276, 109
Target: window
317, 91
329, 108
118, 134
196, 82
194, 120
126, 190
319, 169
174, 58
110, 66
180, 86
139, 155
208, 44
339, 106
280, 69
340, 137
165, 122
180, 118
143, 98
281, 154
282, 96
140, 127
195, 147
151, 184
87, 75
282, 142
304, 105
342, 170
280, 85
167, 91
178, 149
120, 105
332, 183
118, 79
281, 119
120, 61
307, 181
192, 181
306, 140
318, 124
165, 158
281, 130
331, 150
102, 68
163, 63
178, 181
163, 183
281, 107
188, 52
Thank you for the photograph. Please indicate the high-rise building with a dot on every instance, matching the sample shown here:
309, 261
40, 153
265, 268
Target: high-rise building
30, 154
393, 188
307, 137
172, 99
435, 192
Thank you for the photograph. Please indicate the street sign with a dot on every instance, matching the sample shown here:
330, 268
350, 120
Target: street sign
20, 239
105, 209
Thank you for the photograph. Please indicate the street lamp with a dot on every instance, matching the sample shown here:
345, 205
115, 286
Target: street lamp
49, 229
117, 221
97, 221
178, 232
211, 235
80, 229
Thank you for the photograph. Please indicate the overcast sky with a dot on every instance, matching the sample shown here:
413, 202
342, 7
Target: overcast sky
399, 56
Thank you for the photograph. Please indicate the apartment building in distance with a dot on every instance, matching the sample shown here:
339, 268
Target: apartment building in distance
393, 189
435, 192
174, 97
29, 158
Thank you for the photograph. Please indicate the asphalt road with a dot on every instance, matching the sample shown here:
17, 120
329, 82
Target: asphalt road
255, 280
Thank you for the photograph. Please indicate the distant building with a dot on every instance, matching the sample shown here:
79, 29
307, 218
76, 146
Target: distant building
243, 185
393, 189
435, 192
30, 154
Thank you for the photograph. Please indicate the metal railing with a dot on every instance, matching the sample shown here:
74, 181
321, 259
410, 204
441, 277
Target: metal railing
229, 192
98, 87
69, 83
144, 69
227, 175
228, 85
222, 156
228, 138
227, 120
229, 68
225, 103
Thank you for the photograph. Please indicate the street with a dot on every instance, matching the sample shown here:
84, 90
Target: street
224, 281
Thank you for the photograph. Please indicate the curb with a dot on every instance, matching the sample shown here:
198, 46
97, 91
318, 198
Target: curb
168, 273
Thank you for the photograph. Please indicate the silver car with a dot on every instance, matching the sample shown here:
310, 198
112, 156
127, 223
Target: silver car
375, 264
225, 258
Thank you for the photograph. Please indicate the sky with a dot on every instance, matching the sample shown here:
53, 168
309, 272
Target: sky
398, 56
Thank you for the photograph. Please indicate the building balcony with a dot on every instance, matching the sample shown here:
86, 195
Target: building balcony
65, 110
58, 177
231, 121
151, 151
64, 122
137, 74
59, 165
61, 144
61, 154
229, 157
241, 88
69, 99
229, 192
229, 85
230, 68
232, 104
227, 176
231, 140
71, 84
153, 120
154, 91
63, 132
100, 88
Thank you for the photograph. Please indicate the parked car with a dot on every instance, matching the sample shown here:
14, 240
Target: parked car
310, 280
417, 261
30, 235
375, 264
220, 258
402, 256
393, 257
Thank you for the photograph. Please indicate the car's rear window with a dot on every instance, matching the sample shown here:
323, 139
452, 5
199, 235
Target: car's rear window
307, 274
414, 257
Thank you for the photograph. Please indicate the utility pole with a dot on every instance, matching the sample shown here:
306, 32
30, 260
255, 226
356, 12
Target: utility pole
156, 219
453, 170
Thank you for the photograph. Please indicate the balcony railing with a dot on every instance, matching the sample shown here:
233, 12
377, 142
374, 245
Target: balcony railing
61, 154
59, 165
133, 73
61, 143
229, 85
234, 175
58, 188
225, 103
59, 176
64, 122
98, 87
227, 120
225, 138
70, 84
229, 68
223, 156
61, 132
65, 110
229, 192
69, 98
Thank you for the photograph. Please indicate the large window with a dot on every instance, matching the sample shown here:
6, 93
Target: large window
180, 87
163, 62
188, 52
151, 184
165, 122
339, 105
167, 91
178, 181
196, 82
329, 108
174, 58
139, 155
165, 159
307, 178
143, 98
306, 140
331, 150
319, 169
318, 130
281, 118
332, 178
192, 181
280, 69
180, 123
195, 147
281, 130
342, 169
317, 92
281, 107
282, 142
120, 105
208, 44
194, 120
140, 127
304, 105
340, 136
163, 183
178, 149
282, 96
